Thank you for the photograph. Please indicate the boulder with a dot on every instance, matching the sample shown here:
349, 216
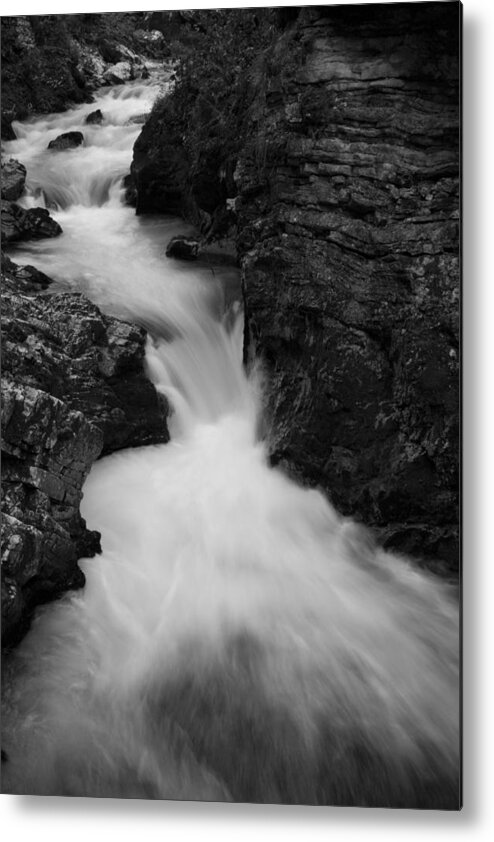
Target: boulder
113, 53
68, 140
13, 179
119, 73
73, 388
21, 224
183, 248
94, 118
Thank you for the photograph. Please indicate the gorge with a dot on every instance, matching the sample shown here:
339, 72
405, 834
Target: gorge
237, 638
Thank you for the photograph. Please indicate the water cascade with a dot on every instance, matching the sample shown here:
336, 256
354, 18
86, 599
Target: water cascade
237, 639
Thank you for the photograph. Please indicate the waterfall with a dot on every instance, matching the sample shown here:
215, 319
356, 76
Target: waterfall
237, 639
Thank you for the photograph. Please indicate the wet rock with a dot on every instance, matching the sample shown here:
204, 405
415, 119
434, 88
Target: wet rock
94, 118
68, 140
13, 179
159, 168
73, 388
27, 278
20, 224
348, 240
219, 253
119, 73
183, 248
138, 119
346, 203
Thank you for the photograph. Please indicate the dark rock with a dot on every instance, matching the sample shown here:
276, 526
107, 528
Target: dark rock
347, 234
114, 53
348, 240
94, 118
13, 180
159, 168
40, 71
73, 388
27, 278
8, 132
183, 248
219, 253
130, 191
33, 224
68, 140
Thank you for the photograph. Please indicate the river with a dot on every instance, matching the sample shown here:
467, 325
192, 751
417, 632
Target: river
237, 639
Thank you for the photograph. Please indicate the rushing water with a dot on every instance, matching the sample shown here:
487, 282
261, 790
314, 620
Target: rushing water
237, 639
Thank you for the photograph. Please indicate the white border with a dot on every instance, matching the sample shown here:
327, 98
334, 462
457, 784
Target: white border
53, 819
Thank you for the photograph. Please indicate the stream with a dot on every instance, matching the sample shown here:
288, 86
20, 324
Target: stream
237, 639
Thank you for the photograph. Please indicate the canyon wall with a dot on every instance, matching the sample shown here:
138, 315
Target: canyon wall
343, 185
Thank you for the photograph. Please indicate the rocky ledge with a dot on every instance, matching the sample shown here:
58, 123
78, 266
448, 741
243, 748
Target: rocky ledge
73, 388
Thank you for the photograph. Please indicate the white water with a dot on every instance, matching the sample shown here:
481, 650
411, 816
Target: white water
237, 639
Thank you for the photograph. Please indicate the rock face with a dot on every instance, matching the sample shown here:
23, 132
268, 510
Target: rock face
68, 140
73, 388
348, 235
31, 224
347, 232
13, 179
159, 170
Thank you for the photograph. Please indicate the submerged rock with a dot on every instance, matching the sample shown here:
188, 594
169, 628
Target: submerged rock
73, 387
183, 248
94, 118
13, 179
32, 224
68, 140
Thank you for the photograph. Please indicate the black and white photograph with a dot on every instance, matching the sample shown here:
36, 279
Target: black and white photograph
231, 403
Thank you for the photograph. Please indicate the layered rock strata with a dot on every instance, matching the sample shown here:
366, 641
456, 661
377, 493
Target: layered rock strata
349, 242
346, 198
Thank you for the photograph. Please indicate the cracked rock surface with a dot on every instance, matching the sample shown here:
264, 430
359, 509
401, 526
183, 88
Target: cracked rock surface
348, 240
73, 388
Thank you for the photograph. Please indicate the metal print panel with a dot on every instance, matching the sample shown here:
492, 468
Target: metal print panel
230, 405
